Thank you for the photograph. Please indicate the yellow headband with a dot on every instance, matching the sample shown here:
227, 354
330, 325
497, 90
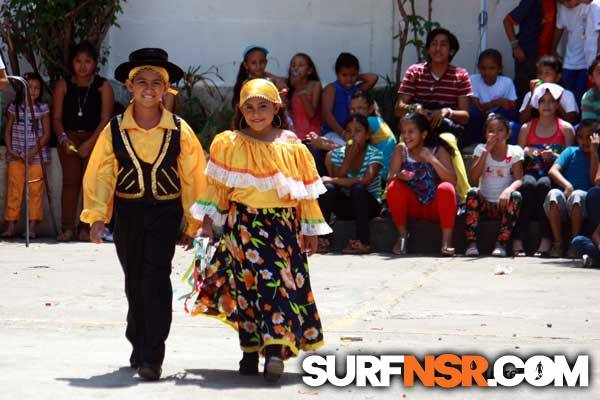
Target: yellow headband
159, 70
260, 88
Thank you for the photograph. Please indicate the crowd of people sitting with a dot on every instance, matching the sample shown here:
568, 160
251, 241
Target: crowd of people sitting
533, 156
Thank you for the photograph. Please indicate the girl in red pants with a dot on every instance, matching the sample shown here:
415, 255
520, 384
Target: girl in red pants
421, 181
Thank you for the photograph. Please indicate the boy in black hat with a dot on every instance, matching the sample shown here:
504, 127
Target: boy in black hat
151, 163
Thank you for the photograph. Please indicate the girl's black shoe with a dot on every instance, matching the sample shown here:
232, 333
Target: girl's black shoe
249, 364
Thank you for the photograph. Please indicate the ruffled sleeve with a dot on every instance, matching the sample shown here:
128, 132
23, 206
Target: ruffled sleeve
311, 219
214, 203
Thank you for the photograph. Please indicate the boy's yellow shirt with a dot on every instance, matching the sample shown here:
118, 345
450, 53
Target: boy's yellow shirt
101, 174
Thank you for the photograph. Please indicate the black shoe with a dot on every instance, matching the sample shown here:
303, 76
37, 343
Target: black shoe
249, 364
149, 372
273, 369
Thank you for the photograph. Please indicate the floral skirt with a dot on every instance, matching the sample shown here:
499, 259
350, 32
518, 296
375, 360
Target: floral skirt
258, 282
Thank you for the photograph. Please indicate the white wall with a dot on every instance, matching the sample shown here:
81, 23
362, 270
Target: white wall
215, 33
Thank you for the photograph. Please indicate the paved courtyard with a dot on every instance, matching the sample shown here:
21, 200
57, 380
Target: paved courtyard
62, 311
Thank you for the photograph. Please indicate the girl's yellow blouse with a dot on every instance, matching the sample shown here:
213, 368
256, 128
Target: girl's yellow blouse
262, 174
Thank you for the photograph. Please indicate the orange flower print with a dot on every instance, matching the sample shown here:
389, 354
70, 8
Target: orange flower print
284, 293
267, 307
283, 255
245, 235
288, 279
250, 313
249, 326
299, 280
248, 278
231, 217
227, 304
309, 297
253, 256
265, 274
278, 329
242, 302
311, 333
290, 336
277, 318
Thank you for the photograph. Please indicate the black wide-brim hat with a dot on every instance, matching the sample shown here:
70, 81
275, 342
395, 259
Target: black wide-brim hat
148, 56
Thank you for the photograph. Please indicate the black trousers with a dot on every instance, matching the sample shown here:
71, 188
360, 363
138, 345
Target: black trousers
524, 73
358, 204
534, 191
145, 237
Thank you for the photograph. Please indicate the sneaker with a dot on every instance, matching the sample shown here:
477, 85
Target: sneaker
499, 252
586, 261
249, 364
472, 251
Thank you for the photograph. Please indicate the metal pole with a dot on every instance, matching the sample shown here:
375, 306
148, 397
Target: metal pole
23, 82
483, 25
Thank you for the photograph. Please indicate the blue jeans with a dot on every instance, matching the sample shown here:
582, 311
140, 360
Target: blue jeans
584, 245
575, 80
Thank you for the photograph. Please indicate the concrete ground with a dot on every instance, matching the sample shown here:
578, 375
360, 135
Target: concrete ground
62, 312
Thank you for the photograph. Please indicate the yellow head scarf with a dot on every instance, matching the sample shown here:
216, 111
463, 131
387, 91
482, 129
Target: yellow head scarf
159, 70
260, 88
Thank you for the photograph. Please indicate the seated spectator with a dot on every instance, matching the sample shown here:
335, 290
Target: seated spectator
549, 71
382, 136
304, 96
590, 104
572, 17
335, 106
498, 167
421, 182
440, 92
492, 93
354, 184
542, 140
253, 66
336, 96
573, 171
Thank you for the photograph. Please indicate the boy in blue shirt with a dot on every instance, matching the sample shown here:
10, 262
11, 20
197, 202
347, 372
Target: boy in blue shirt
573, 171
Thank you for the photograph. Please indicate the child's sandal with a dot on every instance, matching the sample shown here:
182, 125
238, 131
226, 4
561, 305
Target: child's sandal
356, 247
448, 251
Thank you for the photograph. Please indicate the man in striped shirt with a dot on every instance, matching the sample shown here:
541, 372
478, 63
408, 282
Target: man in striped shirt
435, 88
441, 92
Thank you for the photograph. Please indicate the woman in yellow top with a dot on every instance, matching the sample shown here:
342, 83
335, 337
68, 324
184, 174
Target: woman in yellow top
263, 187
151, 163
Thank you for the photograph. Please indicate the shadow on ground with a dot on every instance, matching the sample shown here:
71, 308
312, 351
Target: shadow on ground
204, 378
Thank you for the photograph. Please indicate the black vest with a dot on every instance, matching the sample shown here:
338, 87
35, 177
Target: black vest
140, 181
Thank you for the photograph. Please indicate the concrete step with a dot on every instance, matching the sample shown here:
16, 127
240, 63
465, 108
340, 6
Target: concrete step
425, 236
